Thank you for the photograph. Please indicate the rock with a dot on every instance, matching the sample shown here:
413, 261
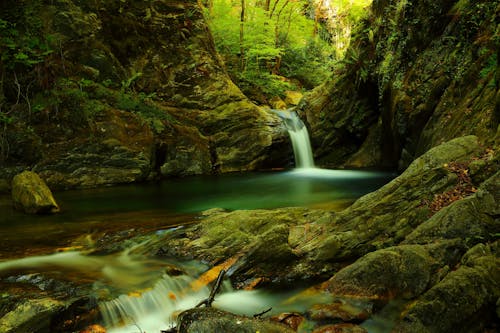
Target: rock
308, 244
340, 328
395, 272
31, 194
104, 114
292, 320
370, 154
242, 136
277, 103
213, 320
185, 151
293, 97
30, 316
471, 219
119, 150
93, 329
354, 309
259, 238
463, 301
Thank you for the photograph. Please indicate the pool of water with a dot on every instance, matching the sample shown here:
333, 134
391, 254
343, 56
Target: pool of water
156, 205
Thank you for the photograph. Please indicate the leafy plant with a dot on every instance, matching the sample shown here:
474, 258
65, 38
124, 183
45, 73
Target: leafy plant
22, 49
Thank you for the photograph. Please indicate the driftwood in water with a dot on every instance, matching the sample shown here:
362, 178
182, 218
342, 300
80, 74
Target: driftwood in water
215, 289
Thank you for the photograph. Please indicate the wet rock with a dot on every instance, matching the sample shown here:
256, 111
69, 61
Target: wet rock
355, 309
314, 243
213, 320
340, 328
259, 238
31, 194
292, 320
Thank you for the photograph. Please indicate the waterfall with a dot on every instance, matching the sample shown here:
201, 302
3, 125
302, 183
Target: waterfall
300, 138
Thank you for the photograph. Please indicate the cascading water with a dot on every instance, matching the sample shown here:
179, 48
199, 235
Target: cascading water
153, 309
300, 139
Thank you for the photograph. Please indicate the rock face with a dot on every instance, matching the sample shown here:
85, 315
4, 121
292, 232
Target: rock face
416, 75
135, 90
31, 194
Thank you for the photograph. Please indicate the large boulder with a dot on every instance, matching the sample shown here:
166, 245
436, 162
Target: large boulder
32, 195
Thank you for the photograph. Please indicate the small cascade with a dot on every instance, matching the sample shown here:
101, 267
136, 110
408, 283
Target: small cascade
152, 309
300, 138
156, 309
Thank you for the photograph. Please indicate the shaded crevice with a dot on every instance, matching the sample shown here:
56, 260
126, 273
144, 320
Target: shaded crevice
160, 155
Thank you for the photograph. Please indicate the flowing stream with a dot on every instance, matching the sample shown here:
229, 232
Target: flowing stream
144, 296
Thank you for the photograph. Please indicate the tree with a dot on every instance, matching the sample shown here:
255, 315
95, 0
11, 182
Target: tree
263, 40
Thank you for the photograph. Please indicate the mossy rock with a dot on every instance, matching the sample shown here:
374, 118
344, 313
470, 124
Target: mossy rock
32, 195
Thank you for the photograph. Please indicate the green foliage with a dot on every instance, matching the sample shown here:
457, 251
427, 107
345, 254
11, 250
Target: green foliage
275, 44
311, 65
21, 47
490, 67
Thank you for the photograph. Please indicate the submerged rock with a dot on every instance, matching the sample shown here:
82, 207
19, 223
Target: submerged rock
32, 195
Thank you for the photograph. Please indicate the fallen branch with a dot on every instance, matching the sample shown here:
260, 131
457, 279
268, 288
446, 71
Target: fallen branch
208, 301
260, 314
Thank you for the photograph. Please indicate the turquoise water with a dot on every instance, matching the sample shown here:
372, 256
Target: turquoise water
235, 191
150, 206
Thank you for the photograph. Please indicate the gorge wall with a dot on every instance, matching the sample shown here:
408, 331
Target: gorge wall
108, 92
416, 74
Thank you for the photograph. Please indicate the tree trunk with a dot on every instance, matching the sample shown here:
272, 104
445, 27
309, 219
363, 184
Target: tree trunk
276, 29
242, 49
267, 5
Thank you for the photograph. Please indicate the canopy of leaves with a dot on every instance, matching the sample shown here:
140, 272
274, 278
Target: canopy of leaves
279, 39
294, 39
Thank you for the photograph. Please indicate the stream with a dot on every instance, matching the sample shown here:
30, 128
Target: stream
141, 290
